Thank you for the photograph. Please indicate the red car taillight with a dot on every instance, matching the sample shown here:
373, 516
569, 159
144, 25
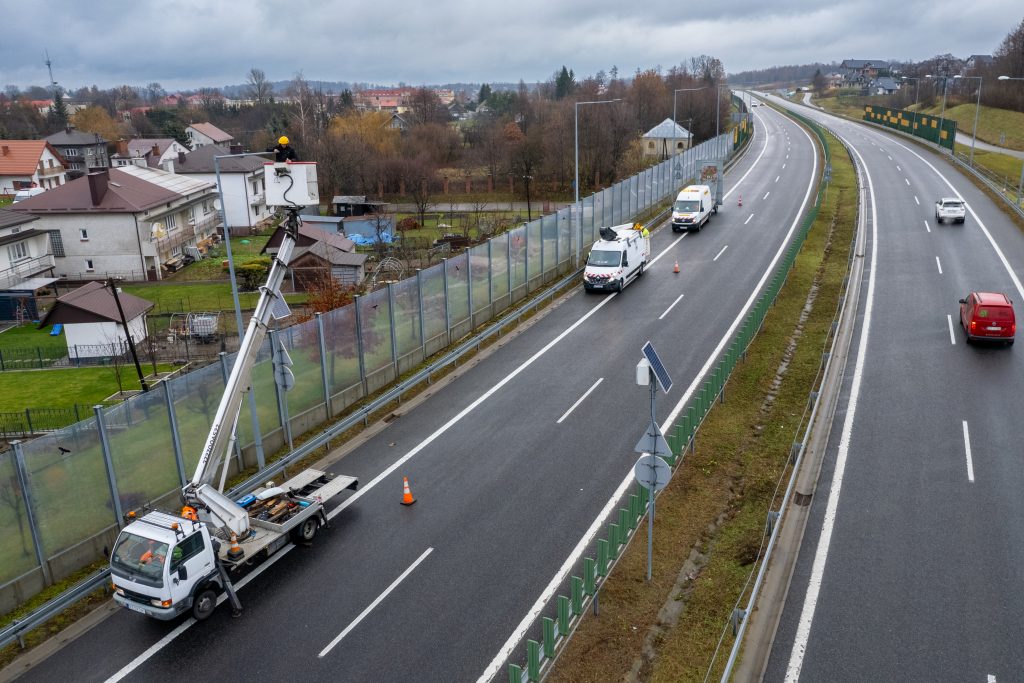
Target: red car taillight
974, 325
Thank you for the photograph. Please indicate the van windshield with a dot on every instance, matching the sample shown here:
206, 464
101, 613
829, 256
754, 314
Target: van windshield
687, 206
607, 259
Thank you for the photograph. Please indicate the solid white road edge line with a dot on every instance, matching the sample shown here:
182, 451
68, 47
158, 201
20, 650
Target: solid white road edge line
577, 552
952, 336
372, 605
720, 253
678, 299
939, 264
803, 630
967, 451
587, 392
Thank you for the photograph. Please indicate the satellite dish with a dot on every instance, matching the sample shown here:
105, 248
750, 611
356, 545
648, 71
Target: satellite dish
216, 204
157, 231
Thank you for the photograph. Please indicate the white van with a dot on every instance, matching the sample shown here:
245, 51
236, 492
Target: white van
26, 193
617, 259
692, 208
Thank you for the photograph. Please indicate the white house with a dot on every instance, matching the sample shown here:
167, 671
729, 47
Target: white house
666, 139
146, 152
245, 203
92, 323
203, 134
26, 258
30, 163
128, 222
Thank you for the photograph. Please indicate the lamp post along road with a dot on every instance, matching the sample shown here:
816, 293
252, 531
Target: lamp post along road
576, 183
674, 122
977, 110
917, 93
1020, 183
942, 116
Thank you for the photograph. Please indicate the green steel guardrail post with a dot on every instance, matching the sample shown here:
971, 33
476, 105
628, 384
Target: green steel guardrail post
533, 660
515, 673
590, 572
613, 541
624, 525
603, 556
576, 585
548, 625
563, 615
634, 505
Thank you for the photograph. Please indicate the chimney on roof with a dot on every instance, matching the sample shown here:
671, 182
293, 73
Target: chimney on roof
234, 149
98, 181
181, 158
122, 147
67, 129
156, 150
5, 150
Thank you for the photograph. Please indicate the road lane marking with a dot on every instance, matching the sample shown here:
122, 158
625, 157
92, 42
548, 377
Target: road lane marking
890, 157
967, 451
917, 200
777, 178
720, 253
899, 169
594, 385
748, 219
372, 605
952, 337
577, 552
907, 182
991, 678
678, 299
939, 264
926, 226
766, 195
803, 631
783, 166
787, 156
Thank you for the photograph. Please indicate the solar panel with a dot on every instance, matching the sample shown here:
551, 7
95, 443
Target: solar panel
279, 309
659, 368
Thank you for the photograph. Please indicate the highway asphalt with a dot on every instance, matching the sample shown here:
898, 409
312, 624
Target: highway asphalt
506, 488
913, 555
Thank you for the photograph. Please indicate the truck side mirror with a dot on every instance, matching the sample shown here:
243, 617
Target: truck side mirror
182, 573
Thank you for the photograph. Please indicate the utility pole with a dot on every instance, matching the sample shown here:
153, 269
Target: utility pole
127, 334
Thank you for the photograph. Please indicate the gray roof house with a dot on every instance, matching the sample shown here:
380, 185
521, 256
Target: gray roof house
665, 139
83, 151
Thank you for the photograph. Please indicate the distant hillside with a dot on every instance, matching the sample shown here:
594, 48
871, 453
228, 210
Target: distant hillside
780, 74
281, 87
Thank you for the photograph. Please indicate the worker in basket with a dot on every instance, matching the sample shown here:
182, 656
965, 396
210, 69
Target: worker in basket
283, 151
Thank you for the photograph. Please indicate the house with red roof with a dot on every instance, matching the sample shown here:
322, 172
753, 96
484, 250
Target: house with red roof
30, 163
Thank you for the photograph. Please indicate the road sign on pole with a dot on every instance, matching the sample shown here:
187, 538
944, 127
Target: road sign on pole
653, 441
652, 472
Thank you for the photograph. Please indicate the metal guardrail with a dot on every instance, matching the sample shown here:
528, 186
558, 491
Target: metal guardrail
16, 630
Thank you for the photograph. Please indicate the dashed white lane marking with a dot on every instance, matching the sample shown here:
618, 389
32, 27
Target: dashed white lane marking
372, 605
777, 178
926, 226
939, 264
890, 158
766, 195
952, 336
899, 169
907, 182
917, 200
748, 219
594, 385
967, 451
720, 253
783, 166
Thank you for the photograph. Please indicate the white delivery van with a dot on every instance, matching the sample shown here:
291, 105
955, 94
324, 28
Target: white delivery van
692, 208
617, 259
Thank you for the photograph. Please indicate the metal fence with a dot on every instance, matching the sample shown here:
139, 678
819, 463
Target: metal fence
32, 421
63, 493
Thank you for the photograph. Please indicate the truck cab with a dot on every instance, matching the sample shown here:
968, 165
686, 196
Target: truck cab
616, 259
692, 208
164, 565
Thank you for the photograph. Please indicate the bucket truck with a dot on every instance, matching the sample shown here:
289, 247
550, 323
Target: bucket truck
165, 564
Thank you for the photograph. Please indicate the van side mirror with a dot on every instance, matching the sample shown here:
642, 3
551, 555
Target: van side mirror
963, 301
625, 261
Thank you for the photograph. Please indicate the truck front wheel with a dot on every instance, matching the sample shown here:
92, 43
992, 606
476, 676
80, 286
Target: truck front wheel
204, 603
306, 532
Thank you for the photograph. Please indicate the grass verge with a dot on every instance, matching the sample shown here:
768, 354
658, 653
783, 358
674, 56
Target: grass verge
711, 518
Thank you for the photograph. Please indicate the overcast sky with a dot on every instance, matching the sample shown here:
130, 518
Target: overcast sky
195, 43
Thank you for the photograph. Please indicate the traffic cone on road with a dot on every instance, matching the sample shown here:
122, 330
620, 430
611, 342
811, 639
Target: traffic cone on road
407, 498
675, 268
741, 200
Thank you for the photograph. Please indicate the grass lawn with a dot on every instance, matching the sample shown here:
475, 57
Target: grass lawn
28, 337
63, 388
174, 297
1003, 165
4, 201
991, 123
210, 268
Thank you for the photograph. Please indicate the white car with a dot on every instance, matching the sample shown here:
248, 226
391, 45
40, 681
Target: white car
950, 209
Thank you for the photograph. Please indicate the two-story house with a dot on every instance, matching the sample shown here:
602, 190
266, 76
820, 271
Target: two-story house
204, 134
242, 183
82, 151
30, 163
127, 222
862, 71
146, 152
26, 257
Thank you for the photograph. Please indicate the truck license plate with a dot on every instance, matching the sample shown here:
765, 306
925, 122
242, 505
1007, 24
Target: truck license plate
135, 608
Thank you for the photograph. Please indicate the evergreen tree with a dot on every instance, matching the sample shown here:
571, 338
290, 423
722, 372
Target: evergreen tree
485, 92
57, 118
565, 83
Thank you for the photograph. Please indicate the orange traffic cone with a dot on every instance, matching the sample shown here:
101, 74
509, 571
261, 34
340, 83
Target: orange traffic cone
407, 498
741, 200
235, 552
676, 268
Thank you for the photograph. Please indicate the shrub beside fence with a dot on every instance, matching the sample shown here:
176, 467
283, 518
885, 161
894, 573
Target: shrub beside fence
63, 492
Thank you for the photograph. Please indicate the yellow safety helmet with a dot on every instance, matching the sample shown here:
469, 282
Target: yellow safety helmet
283, 140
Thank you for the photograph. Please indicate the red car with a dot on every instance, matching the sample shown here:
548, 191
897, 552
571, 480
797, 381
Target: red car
988, 316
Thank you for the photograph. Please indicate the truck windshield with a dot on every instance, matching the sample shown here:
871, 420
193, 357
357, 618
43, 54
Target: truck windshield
608, 259
141, 557
687, 206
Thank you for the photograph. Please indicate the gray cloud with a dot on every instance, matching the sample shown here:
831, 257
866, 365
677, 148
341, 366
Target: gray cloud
193, 43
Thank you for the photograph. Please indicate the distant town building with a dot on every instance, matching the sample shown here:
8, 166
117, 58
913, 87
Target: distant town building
83, 151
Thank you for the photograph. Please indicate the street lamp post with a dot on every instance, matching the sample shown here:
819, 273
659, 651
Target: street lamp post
977, 110
942, 116
576, 184
1020, 183
674, 93
917, 92
257, 436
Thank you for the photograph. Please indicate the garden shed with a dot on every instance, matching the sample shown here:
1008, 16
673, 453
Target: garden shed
92, 325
